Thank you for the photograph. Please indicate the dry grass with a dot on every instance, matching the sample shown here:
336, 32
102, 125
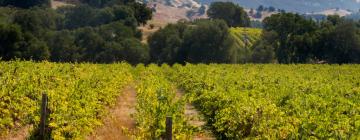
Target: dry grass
119, 118
57, 4
164, 15
147, 30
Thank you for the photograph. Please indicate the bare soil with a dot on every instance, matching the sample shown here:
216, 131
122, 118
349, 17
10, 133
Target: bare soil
20, 134
119, 123
195, 119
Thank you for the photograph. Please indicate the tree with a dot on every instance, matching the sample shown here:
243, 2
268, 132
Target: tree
132, 15
10, 35
141, 12
341, 43
37, 20
134, 52
96, 3
101, 31
103, 16
260, 8
31, 48
25, 3
166, 44
289, 28
234, 15
263, 50
15, 44
90, 43
201, 41
303, 46
63, 47
208, 41
113, 52
79, 16
116, 31
334, 20
130, 50
122, 12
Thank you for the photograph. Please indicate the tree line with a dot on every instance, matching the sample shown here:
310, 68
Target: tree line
105, 31
296, 39
286, 38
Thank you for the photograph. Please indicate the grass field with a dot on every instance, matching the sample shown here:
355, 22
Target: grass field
233, 101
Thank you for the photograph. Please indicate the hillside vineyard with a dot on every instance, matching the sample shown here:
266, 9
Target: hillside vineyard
237, 101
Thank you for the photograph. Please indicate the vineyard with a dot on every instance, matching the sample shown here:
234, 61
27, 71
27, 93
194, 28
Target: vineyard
236, 101
245, 37
276, 101
245, 41
78, 95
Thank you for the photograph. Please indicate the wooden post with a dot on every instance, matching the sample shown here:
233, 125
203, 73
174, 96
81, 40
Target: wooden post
42, 129
168, 133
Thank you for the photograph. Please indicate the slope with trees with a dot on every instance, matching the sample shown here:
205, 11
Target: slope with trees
90, 31
106, 31
247, 42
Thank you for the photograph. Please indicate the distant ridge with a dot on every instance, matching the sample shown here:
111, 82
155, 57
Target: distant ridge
301, 6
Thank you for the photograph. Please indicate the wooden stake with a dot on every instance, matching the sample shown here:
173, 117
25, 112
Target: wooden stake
42, 129
168, 134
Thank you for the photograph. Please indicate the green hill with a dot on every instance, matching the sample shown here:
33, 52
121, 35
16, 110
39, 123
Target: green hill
246, 37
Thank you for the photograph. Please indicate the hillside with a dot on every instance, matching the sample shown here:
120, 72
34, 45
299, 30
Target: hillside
171, 11
245, 38
333, 11
301, 6
57, 3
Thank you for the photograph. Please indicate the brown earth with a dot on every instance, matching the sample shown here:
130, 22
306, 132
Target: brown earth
119, 123
195, 119
20, 134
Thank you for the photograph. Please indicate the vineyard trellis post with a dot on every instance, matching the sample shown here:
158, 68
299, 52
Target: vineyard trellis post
44, 103
168, 133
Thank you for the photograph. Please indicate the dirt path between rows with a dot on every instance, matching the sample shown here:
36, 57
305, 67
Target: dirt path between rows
20, 134
195, 118
119, 118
